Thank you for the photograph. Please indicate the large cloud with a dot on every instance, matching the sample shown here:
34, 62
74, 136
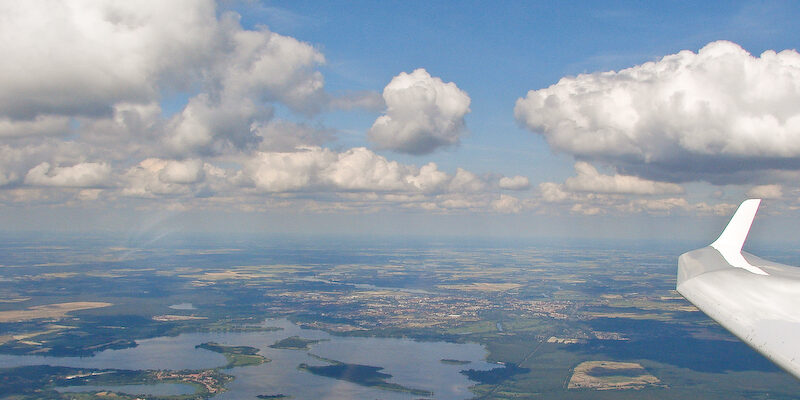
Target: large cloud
265, 65
688, 116
422, 114
81, 57
253, 67
86, 59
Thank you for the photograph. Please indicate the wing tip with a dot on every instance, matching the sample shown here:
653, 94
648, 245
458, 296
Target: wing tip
735, 233
730, 242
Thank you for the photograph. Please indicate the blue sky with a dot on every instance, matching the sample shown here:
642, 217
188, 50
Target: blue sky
267, 113
497, 52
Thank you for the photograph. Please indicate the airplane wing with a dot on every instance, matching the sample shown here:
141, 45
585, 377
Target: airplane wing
757, 300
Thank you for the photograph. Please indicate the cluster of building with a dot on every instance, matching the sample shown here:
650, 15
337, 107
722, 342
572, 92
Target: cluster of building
370, 309
210, 379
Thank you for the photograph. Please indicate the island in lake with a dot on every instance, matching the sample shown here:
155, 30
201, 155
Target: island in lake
294, 343
495, 375
237, 356
364, 375
451, 361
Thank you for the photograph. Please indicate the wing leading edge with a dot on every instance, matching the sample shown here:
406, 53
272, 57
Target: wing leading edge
757, 300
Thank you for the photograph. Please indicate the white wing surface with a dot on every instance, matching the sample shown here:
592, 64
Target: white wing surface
757, 300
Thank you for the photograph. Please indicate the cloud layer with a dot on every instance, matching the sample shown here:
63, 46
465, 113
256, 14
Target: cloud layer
590, 180
422, 114
765, 192
688, 116
357, 169
83, 116
78, 175
590, 192
178, 105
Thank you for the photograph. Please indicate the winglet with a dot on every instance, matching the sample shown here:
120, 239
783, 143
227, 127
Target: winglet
730, 242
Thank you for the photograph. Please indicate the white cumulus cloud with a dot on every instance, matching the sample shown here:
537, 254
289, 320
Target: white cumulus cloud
588, 179
507, 204
657, 205
187, 171
81, 57
357, 169
765, 192
206, 126
514, 183
253, 69
93, 61
688, 116
154, 177
177, 101
466, 181
289, 171
423, 113
552, 192
361, 169
590, 193
85, 174
266, 65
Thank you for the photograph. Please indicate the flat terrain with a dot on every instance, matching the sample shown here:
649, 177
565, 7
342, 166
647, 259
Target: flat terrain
563, 321
49, 311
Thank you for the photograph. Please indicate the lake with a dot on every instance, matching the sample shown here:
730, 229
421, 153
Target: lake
412, 364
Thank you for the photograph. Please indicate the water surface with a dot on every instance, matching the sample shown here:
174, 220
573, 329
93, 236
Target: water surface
412, 364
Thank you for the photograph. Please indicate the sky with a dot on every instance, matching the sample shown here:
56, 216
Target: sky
542, 119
